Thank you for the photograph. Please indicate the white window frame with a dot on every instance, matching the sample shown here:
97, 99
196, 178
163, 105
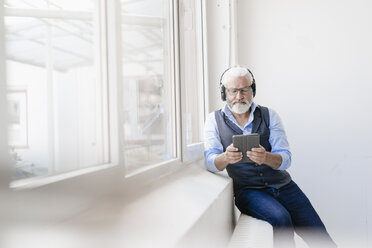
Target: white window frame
114, 50
194, 151
114, 171
110, 154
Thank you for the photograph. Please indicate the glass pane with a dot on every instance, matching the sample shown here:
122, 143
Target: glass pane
147, 92
191, 69
55, 98
81, 5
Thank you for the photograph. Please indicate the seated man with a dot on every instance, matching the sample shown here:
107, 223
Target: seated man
263, 189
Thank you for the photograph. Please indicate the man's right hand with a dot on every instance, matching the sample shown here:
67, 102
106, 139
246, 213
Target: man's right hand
230, 156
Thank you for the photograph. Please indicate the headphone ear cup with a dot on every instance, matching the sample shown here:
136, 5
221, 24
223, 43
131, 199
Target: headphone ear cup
254, 89
223, 92
253, 83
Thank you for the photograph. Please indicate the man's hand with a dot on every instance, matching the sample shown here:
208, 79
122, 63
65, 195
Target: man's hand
232, 155
257, 155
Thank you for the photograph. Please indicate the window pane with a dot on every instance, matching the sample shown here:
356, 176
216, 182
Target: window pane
147, 92
54, 91
81, 5
192, 69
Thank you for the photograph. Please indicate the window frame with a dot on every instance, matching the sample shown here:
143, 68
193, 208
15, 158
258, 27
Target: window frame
193, 152
100, 65
175, 112
109, 65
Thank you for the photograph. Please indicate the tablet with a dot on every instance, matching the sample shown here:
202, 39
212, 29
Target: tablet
245, 143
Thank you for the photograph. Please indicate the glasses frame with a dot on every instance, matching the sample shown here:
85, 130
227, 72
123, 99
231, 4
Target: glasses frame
244, 91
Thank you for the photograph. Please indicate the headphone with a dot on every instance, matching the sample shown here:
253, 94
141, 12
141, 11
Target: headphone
223, 89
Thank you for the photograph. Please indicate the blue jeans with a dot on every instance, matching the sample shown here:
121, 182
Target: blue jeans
287, 209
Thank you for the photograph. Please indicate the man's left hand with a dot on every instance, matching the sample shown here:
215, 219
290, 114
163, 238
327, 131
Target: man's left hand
257, 155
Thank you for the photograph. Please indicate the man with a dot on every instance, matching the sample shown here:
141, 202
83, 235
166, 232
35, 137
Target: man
263, 189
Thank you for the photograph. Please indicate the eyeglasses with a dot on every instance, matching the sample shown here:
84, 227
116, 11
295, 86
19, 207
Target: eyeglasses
243, 91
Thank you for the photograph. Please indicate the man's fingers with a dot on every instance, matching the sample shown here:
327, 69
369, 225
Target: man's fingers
230, 148
235, 160
256, 157
235, 155
258, 149
253, 156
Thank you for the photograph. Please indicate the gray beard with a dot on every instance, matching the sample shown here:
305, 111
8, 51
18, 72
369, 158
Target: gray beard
239, 108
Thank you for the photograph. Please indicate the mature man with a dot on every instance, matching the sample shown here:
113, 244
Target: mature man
263, 189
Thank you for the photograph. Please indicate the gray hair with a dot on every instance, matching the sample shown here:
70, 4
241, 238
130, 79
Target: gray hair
235, 72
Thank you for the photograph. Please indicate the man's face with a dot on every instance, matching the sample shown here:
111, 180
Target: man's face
239, 95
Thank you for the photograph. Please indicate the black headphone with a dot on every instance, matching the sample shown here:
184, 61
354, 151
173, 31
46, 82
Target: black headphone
223, 89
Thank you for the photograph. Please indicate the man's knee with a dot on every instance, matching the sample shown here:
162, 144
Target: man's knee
280, 219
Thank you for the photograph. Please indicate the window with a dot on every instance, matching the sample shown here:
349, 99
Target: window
98, 82
55, 92
148, 97
191, 56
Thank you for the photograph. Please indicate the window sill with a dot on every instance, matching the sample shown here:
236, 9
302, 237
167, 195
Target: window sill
35, 182
176, 211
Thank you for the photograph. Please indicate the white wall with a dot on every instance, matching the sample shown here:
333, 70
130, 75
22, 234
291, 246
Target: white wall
311, 60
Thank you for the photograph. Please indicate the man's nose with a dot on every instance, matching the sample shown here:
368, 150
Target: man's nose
239, 94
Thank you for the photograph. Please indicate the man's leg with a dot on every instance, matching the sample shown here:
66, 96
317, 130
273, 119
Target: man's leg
261, 205
306, 221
